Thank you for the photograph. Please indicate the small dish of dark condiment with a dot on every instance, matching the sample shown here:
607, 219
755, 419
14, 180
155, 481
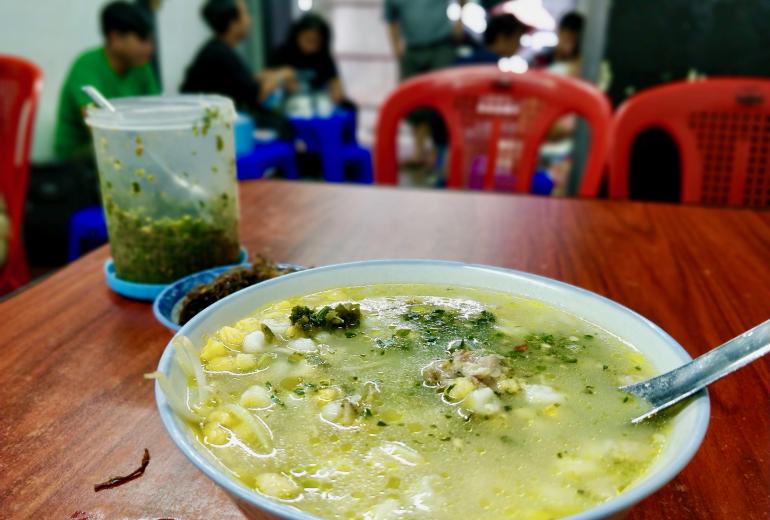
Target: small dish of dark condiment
188, 296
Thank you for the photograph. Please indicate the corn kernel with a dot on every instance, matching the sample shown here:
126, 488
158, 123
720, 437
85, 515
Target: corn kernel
325, 395
222, 364
248, 325
277, 485
510, 386
214, 434
551, 409
220, 417
460, 388
245, 362
256, 397
290, 383
213, 349
231, 337
264, 360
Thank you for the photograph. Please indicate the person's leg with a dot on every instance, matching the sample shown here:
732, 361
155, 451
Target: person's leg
414, 62
442, 56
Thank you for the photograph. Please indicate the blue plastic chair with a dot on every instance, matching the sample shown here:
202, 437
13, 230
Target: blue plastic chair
265, 156
359, 160
87, 230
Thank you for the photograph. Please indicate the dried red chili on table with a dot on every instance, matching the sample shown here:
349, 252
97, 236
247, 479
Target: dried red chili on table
119, 481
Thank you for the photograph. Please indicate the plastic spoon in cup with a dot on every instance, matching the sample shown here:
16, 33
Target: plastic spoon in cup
102, 102
666, 389
98, 98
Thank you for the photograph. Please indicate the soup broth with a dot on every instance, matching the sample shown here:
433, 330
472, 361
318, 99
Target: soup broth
420, 401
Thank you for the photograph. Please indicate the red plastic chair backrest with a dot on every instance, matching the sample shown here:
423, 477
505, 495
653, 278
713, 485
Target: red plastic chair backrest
502, 117
722, 129
20, 84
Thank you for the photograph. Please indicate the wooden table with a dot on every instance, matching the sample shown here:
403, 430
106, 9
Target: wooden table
75, 408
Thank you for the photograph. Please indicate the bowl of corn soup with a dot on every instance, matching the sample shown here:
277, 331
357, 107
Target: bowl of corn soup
424, 389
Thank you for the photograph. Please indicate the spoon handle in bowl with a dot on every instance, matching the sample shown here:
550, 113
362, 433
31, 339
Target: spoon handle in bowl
666, 389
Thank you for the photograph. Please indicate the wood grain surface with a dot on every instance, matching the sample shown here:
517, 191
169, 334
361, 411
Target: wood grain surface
76, 410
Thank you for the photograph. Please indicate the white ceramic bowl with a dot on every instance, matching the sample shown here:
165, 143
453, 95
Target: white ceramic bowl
689, 425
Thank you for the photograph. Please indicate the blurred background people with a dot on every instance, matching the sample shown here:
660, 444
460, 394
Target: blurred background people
565, 57
218, 68
307, 52
502, 39
119, 68
423, 39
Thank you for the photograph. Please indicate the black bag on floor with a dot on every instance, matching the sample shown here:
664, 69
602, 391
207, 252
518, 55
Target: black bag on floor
55, 192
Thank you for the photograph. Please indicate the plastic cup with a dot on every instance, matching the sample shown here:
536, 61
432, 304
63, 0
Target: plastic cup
169, 190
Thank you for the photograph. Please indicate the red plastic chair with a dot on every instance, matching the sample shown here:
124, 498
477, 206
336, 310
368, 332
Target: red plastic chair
722, 129
500, 117
20, 84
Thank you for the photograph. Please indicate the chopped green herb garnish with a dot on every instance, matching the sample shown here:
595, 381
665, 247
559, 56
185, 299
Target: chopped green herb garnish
343, 316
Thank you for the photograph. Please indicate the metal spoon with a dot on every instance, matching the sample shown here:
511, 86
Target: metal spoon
666, 389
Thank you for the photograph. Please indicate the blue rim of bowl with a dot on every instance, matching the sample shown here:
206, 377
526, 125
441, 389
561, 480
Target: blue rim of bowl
166, 302
622, 502
146, 291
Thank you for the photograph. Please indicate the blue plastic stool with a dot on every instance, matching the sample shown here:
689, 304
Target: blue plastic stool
87, 231
542, 184
264, 156
323, 136
360, 161
244, 134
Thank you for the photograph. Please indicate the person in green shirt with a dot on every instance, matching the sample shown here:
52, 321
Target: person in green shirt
118, 69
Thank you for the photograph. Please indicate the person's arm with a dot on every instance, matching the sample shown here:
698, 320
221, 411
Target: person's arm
395, 39
458, 29
336, 91
271, 79
392, 17
80, 76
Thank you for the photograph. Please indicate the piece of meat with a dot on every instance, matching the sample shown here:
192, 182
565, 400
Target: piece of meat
485, 369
